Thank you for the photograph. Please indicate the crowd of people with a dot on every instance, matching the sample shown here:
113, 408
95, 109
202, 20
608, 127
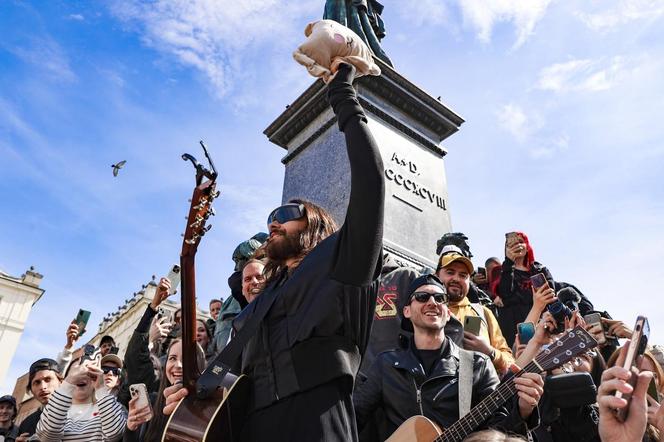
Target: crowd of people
341, 343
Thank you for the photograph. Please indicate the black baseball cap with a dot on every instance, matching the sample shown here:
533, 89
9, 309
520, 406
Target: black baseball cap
44, 364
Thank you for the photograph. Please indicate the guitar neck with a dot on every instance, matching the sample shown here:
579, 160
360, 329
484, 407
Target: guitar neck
190, 370
485, 409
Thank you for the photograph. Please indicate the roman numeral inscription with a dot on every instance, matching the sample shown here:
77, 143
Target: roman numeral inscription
408, 182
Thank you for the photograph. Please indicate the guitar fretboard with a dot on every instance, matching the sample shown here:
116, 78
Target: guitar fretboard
575, 342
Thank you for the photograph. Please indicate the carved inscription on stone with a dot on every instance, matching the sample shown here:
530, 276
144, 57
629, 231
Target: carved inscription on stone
405, 176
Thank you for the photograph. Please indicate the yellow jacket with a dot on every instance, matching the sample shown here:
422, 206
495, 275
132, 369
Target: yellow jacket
504, 358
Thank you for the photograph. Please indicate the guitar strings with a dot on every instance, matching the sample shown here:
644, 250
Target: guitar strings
457, 431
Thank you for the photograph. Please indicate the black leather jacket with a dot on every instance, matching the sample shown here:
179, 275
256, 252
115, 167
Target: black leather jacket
397, 383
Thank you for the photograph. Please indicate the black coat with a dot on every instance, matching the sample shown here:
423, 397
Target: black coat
515, 289
397, 379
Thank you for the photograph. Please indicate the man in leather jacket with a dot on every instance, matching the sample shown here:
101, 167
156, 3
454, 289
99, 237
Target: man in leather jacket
423, 378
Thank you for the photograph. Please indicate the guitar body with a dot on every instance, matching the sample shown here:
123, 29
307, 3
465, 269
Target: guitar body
416, 429
217, 418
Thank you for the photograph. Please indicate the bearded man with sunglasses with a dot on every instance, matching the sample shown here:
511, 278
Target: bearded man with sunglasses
314, 315
423, 378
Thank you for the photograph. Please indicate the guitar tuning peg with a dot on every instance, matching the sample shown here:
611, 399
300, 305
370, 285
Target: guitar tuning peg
182, 235
212, 212
189, 200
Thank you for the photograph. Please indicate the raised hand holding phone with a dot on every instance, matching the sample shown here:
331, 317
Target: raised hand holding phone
615, 379
81, 320
140, 410
595, 328
634, 355
72, 334
543, 296
162, 292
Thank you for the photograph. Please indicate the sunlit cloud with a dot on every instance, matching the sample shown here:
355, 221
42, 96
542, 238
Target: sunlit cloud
624, 12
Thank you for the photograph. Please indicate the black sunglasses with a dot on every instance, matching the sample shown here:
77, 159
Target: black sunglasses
285, 213
440, 298
114, 370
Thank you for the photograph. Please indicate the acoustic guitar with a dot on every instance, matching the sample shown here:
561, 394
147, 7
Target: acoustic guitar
219, 415
422, 429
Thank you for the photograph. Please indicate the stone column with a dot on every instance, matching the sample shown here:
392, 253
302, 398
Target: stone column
409, 126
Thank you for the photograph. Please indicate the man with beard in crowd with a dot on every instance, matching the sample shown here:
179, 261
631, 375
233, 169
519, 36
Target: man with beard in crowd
454, 270
423, 378
44, 377
313, 319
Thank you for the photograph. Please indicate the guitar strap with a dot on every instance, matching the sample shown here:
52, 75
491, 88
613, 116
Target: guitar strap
216, 370
465, 381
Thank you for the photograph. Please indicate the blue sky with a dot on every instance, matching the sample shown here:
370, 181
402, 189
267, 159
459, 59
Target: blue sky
562, 101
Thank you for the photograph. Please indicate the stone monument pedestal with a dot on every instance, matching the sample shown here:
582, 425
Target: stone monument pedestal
409, 126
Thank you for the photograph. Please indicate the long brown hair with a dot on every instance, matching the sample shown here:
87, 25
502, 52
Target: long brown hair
320, 225
159, 419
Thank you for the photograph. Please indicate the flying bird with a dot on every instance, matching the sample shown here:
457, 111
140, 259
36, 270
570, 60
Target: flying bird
117, 167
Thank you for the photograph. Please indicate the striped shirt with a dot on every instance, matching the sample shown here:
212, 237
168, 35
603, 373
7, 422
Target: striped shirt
61, 421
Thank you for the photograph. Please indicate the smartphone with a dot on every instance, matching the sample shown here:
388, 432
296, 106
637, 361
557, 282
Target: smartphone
482, 271
82, 320
113, 351
526, 331
160, 313
512, 238
472, 324
652, 390
538, 280
174, 276
141, 392
91, 353
637, 347
594, 320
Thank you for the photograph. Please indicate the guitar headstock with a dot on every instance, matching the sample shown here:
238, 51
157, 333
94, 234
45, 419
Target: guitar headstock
571, 344
201, 204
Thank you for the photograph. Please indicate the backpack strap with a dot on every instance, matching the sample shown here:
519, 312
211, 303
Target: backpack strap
465, 381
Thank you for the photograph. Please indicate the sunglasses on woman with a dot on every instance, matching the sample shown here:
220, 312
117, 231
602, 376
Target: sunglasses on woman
285, 213
440, 298
114, 370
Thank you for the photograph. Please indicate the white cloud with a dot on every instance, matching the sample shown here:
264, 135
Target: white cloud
624, 12
217, 37
529, 130
483, 15
584, 75
47, 55
423, 12
77, 17
514, 120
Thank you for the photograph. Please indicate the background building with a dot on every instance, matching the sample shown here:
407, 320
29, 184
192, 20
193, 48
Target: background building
17, 296
119, 324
